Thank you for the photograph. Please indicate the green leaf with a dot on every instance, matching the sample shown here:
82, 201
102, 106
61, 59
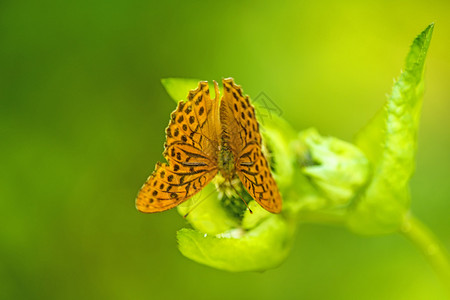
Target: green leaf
389, 141
206, 213
258, 215
264, 247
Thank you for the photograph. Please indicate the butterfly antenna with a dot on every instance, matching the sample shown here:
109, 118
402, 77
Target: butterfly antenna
241, 197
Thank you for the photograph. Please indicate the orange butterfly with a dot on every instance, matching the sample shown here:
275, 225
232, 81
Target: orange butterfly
206, 136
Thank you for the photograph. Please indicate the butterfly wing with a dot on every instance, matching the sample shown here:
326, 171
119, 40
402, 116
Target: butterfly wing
191, 153
240, 127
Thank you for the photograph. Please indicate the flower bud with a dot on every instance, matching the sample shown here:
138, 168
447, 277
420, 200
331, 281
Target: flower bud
337, 168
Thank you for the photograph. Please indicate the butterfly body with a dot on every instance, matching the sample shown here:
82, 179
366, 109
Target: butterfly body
208, 136
226, 163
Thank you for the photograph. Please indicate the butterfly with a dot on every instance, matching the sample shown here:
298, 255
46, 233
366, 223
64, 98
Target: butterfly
206, 136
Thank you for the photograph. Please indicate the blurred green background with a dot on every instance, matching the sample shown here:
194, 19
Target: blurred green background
82, 119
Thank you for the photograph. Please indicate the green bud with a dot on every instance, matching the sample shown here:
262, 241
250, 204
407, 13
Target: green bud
337, 168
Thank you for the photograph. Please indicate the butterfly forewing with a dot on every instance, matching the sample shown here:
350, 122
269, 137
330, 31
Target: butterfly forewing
241, 129
190, 150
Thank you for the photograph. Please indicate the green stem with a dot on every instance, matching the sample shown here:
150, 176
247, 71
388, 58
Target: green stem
433, 250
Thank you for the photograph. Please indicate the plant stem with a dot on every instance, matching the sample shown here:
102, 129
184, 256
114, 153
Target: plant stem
431, 247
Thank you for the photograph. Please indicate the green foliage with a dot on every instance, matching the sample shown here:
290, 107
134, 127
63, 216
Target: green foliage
322, 179
261, 248
206, 213
390, 141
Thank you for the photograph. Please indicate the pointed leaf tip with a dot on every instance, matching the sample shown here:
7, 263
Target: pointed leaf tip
416, 56
390, 141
